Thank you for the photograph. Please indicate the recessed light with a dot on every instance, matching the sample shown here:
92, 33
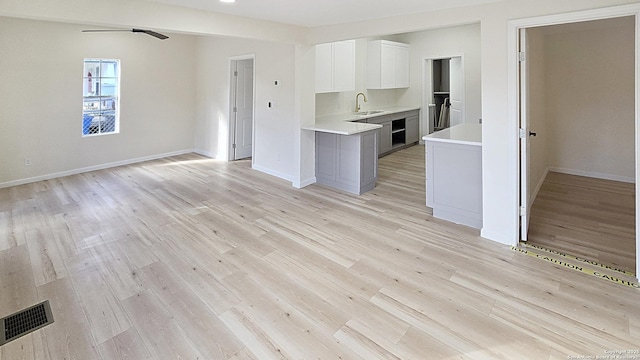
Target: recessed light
228, 1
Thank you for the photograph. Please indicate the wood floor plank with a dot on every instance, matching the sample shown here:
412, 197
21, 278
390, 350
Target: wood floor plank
69, 337
198, 322
101, 307
31, 346
159, 331
46, 260
127, 345
17, 283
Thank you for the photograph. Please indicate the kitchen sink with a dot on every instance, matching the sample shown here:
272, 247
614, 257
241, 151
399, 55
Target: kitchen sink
370, 112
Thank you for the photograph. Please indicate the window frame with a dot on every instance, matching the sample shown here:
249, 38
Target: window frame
97, 104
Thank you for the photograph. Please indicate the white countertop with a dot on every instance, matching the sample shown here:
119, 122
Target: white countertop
467, 133
344, 124
342, 127
355, 117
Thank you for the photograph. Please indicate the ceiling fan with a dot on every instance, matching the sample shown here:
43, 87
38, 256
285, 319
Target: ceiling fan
148, 32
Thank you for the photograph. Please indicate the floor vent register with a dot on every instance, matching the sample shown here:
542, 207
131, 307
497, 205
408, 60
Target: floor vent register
25, 321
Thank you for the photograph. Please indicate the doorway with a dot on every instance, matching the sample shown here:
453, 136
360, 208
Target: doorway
579, 164
443, 92
242, 108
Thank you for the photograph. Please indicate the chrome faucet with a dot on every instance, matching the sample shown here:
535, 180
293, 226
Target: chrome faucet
357, 104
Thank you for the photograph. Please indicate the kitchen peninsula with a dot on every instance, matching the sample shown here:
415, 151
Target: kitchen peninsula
348, 145
454, 174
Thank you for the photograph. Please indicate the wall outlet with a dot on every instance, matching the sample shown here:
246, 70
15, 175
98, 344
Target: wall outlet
27, 162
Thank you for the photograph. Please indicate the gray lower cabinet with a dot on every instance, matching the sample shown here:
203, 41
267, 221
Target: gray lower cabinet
412, 133
347, 162
385, 138
398, 131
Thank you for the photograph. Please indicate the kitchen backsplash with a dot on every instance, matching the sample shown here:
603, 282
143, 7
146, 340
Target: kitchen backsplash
345, 102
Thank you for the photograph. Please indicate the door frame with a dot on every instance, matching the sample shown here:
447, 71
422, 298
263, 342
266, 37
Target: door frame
232, 96
427, 90
513, 27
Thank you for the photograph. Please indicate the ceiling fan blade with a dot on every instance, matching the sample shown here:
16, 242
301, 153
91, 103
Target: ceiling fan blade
152, 33
148, 32
110, 30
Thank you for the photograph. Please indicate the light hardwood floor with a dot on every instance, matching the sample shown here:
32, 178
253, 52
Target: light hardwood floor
587, 217
189, 258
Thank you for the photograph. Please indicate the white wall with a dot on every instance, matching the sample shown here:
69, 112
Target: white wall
274, 129
537, 110
41, 67
590, 98
457, 40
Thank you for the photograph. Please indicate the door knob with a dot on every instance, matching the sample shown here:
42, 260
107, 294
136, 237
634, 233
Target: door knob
531, 133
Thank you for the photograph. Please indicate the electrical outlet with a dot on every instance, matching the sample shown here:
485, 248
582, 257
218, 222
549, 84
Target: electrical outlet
27, 162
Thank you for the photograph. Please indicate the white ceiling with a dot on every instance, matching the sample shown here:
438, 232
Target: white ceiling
312, 13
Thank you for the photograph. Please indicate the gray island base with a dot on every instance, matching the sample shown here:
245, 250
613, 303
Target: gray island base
347, 162
348, 145
454, 174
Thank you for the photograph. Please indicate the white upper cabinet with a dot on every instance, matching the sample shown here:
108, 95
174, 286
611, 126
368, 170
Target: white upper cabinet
336, 67
387, 65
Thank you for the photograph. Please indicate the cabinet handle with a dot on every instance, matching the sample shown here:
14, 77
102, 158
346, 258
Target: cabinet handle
531, 133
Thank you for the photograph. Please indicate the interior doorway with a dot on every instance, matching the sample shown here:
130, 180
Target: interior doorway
242, 108
443, 92
582, 163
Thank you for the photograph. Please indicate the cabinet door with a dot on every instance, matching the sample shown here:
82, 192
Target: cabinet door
401, 63
344, 66
384, 145
324, 68
412, 127
387, 66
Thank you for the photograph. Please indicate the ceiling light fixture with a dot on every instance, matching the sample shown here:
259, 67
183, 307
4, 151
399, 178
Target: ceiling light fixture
228, 1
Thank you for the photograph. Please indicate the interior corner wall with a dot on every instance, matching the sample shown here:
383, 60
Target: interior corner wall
41, 66
274, 128
536, 110
591, 102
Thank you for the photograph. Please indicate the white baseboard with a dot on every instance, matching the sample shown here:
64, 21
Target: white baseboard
91, 168
205, 153
272, 172
304, 183
535, 192
596, 175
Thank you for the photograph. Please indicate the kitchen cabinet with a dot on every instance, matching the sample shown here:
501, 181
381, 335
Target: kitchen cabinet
387, 65
412, 124
335, 66
385, 138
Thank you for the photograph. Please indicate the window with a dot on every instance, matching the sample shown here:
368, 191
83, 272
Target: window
101, 97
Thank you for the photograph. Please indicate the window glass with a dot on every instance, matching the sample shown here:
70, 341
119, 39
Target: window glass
101, 96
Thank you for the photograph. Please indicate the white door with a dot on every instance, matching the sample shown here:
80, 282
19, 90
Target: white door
243, 109
525, 205
456, 91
